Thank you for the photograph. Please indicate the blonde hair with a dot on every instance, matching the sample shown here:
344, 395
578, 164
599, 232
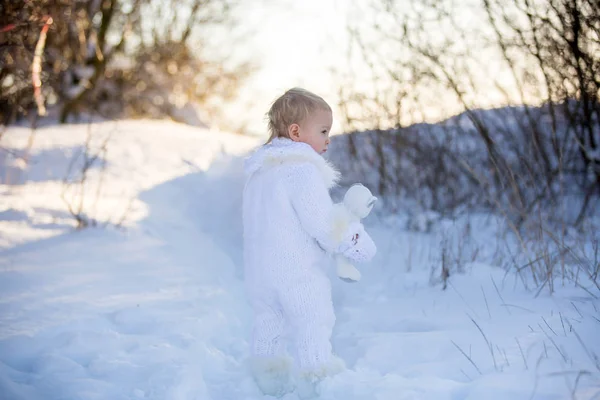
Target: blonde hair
292, 108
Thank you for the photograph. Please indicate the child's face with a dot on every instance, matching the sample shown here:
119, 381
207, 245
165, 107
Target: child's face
314, 130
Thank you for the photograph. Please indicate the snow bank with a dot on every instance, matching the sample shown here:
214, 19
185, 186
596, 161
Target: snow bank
157, 310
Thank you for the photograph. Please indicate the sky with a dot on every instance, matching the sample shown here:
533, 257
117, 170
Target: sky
306, 43
296, 44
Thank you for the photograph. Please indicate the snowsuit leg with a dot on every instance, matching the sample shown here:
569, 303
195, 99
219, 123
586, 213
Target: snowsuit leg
308, 307
269, 327
270, 366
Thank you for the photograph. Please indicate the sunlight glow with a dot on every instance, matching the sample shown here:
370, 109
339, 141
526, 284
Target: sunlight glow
308, 44
296, 44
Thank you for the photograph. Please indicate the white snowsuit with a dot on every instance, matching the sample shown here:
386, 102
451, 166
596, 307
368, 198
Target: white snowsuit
287, 233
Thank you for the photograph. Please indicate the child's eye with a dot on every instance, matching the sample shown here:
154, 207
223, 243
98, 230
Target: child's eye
324, 132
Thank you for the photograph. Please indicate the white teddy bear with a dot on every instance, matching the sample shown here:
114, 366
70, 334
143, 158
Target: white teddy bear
358, 203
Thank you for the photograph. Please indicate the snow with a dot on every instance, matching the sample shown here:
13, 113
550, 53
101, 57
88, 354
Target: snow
155, 308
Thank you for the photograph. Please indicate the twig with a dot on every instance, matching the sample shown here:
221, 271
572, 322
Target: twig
486, 302
549, 326
463, 299
575, 307
467, 357
590, 353
121, 221
465, 374
499, 295
586, 290
505, 357
36, 67
547, 280
562, 323
519, 307
522, 354
553, 343
8, 28
579, 375
490, 347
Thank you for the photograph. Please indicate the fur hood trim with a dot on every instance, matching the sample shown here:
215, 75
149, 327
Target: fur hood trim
283, 151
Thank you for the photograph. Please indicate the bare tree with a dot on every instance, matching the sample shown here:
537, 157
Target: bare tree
68, 66
119, 58
113, 58
430, 60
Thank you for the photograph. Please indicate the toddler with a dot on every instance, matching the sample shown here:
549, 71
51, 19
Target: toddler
287, 213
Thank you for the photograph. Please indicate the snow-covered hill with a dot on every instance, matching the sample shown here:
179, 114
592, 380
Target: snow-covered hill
155, 309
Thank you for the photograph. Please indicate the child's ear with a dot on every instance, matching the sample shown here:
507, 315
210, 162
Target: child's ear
294, 132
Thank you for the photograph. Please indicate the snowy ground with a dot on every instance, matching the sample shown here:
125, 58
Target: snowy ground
155, 309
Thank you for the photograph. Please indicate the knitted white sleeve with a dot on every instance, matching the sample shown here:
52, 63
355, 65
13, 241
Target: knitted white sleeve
314, 207
312, 203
